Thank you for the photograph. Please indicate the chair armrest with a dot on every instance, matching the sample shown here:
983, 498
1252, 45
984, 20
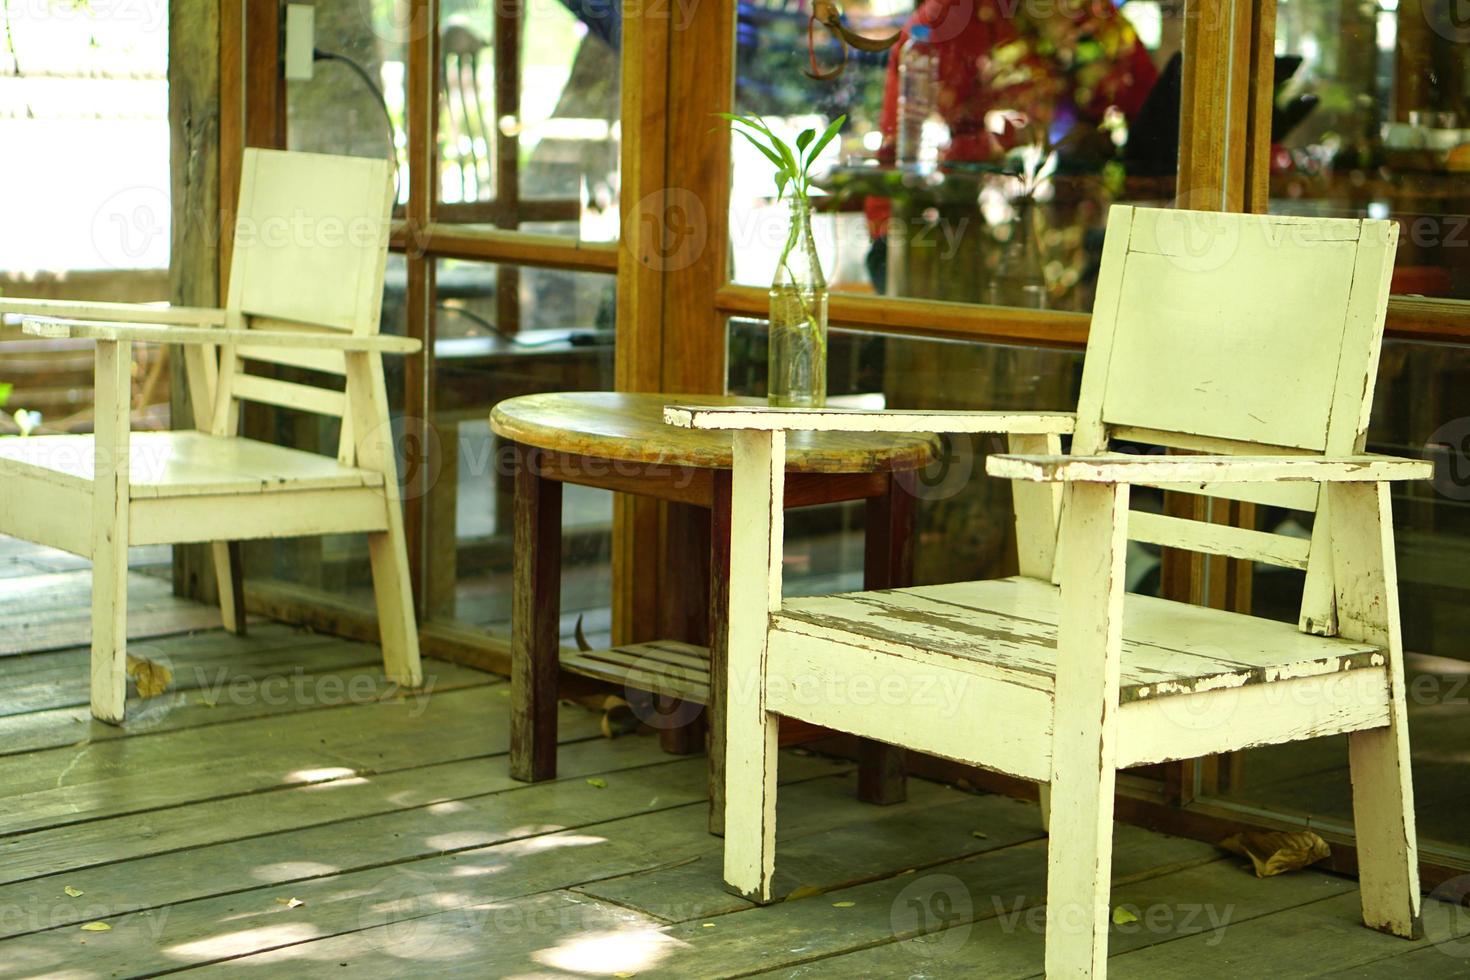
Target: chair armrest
214, 336
116, 312
759, 419
1207, 469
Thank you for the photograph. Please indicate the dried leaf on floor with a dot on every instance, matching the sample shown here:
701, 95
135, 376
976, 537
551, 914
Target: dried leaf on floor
597, 783
843, 905
152, 678
96, 927
73, 892
618, 717
1122, 916
1276, 851
290, 903
805, 891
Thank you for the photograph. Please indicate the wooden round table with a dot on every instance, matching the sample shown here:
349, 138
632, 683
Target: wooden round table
618, 441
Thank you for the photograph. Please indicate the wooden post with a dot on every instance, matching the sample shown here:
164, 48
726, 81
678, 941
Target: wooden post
194, 254
719, 607
888, 563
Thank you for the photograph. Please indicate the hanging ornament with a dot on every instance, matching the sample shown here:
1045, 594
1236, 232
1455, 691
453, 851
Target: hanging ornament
829, 12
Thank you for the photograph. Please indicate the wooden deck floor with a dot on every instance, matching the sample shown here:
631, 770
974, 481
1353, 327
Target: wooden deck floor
281, 812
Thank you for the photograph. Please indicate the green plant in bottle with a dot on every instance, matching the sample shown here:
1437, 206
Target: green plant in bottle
797, 358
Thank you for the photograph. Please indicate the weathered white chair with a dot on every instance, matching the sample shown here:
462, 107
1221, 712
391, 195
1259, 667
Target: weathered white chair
306, 282
1250, 341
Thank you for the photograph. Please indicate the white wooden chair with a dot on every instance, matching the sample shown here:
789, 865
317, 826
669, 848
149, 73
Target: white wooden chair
1249, 341
306, 282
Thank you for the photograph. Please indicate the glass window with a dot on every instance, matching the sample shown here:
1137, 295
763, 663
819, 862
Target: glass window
354, 103
1372, 118
964, 518
563, 342
1042, 115
530, 141
1420, 409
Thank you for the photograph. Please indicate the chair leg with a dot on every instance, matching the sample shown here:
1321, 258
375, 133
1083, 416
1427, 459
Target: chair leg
1089, 651
109, 632
1365, 580
750, 797
1079, 860
392, 590
230, 580
1383, 821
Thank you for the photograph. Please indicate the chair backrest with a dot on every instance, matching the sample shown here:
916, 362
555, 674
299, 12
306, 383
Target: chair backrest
310, 248
1237, 334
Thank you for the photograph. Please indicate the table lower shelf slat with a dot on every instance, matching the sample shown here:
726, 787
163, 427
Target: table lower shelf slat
661, 667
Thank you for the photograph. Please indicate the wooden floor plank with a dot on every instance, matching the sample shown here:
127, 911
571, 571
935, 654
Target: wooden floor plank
62, 681
1005, 935
1316, 938
48, 612
247, 692
935, 825
202, 824
55, 787
491, 850
409, 827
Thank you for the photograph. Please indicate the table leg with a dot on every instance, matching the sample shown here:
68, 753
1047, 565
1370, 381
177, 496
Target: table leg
888, 563
719, 605
684, 614
536, 604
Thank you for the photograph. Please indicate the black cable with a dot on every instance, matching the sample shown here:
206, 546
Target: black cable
318, 54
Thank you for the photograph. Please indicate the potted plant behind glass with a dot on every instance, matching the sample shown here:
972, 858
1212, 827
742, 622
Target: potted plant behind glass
797, 358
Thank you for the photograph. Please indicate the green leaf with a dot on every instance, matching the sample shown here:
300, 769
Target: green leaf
827, 136
769, 153
781, 178
5, 390
807, 135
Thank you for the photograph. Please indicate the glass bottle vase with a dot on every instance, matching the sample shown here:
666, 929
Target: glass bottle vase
797, 357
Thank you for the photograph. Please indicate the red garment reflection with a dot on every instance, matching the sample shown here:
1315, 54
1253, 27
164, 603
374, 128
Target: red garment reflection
1058, 70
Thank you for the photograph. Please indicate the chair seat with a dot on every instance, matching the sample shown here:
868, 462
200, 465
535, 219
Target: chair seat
1009, 627
181, 464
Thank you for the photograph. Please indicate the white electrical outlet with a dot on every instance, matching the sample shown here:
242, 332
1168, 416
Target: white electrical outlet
300, 41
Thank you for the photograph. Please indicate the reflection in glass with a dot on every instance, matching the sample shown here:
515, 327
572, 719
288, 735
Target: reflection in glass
1379, 125
563, 342
1042, 115
1420, 409
528, 116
